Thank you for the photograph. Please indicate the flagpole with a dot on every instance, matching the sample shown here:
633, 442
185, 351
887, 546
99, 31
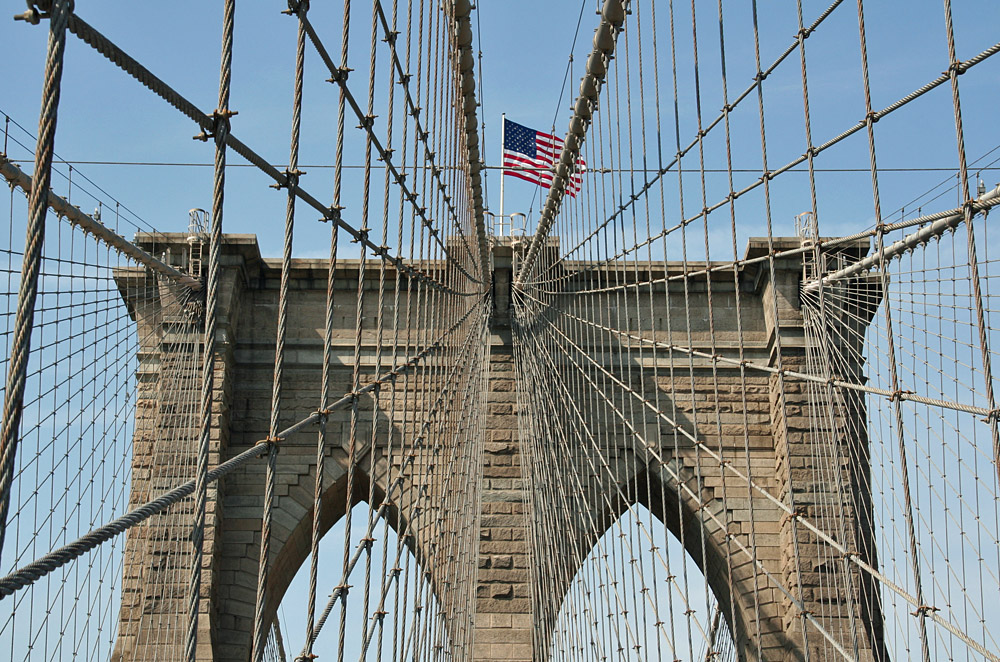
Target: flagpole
503, 128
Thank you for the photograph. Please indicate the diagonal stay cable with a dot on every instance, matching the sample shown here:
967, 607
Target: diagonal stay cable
805, 521
414, 111
339, 76
785, 372
91, 36
660, 172
17, 177
20, 350
930, 231
981, 204
410, 457
584, 432
46, 564
799, 160
678, 479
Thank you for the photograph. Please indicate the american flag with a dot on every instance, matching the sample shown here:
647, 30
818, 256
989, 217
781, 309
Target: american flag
537, 151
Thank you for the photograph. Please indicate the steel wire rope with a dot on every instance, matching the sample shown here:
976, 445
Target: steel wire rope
619, 385
220, 132
687, 300
728, 108
625, 359
562, 93
466, 471
21, 342
321, 437
955, 68
421, 378
365, 212
395, 350
784, 590
816, 531
877, 115
8, 120
894, 379
560, 494
67, 379
412, 457
652, 315
612, 407
390, 38
79, 502
57, 558
118, 57
414, 111
292, 174
432, 624
339, 77
713, 342
795, 374
939, 223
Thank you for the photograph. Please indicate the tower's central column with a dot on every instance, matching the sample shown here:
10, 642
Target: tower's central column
503, 598
503, 604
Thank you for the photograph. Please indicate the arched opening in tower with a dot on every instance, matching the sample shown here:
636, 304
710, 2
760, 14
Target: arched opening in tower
639, 595
391, 609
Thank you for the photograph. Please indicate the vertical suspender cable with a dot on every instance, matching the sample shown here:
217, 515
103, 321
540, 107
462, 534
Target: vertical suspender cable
307, 653
337, 179
914, 550
291, 183
211, 304
31, 265
967, 213
260, 627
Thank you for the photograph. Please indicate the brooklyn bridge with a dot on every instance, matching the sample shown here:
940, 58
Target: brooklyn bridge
717, 387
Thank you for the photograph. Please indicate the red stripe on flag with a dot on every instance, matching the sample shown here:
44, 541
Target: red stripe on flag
526, 177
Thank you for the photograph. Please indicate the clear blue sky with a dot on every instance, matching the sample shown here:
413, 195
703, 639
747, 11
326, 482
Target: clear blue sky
106, 116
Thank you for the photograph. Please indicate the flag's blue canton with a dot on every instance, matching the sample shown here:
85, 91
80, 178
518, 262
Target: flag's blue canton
517, 138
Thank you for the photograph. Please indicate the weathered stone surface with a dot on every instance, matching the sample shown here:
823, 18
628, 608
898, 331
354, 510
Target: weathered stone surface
503, 577
757, 423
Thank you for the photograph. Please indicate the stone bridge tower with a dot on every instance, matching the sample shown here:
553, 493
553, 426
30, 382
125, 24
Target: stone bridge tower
766, 422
